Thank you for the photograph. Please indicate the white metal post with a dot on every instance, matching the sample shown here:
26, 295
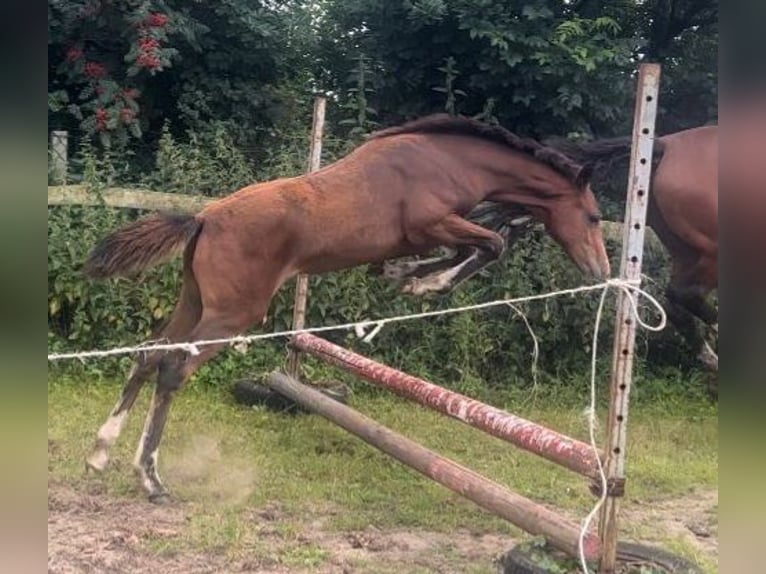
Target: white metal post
302, 282
639, 180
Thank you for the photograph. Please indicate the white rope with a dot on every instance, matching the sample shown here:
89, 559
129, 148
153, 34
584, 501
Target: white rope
628, 287
535, 343
592, 423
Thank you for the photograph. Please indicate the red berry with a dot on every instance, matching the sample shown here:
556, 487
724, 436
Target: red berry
95, 70
74, 54
148, 60
157, 19
148, 44
127, 115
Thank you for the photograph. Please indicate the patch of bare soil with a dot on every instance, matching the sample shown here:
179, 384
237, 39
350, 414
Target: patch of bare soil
94, 533
693, 518
89, 532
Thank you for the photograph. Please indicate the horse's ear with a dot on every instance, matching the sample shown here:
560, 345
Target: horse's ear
583, 176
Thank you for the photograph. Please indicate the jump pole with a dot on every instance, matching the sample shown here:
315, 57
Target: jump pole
639, 180
302, 282
547, 443
521, 511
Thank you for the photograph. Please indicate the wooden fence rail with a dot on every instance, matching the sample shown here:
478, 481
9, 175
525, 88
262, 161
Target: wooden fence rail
127, 198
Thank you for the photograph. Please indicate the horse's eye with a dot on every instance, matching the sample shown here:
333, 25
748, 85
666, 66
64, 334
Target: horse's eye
594, 218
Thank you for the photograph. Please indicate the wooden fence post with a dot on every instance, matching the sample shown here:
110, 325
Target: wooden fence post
302, 282
58, 161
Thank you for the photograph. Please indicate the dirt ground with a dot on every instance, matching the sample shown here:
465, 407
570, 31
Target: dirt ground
89, 532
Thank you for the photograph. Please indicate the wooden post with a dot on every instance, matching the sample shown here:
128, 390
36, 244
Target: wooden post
302, 282
639, 180
59, 156
521, 511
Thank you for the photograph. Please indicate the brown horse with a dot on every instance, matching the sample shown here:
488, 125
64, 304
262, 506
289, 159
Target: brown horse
403, 192
683, 211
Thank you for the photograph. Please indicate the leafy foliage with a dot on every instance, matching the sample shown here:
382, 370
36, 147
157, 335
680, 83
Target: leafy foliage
208, 164
207, 97
120, 68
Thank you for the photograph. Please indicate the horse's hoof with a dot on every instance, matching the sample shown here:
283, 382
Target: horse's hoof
160, 498
97, 462
397, 271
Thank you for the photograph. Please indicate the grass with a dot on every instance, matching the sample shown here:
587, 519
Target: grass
227, 461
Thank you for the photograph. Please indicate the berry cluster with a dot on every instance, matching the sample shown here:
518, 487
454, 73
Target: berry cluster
94, 70
74, 54
102, 117
157, 20
127, 115
148, 56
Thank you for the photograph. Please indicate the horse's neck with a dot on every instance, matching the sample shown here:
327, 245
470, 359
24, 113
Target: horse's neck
505, 171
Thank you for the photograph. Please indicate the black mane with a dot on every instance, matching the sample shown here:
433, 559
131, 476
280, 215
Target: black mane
447, 124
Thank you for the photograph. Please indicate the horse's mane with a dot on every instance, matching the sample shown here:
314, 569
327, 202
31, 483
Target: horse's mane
448, 124
607, 150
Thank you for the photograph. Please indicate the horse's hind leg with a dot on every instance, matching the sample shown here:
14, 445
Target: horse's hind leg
184, 318
484, 246
143, 368
174, 371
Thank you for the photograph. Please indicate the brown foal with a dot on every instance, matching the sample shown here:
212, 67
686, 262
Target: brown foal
404, 192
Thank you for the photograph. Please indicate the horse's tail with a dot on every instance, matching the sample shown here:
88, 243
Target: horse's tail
140, 245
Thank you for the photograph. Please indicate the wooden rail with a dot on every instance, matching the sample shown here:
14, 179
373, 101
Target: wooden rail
538, 439
517, 509
125, 198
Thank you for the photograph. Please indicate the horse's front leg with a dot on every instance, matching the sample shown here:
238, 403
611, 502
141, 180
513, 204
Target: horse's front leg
397, 270
477, 247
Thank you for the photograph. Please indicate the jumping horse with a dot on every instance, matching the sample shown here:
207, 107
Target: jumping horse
405, 191
683, 212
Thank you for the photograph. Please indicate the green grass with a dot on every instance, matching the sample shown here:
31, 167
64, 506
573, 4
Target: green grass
225, 460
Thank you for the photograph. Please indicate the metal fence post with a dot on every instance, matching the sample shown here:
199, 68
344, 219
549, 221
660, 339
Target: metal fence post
639, 180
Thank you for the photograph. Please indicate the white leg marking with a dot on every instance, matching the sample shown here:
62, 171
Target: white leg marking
147, 483
147, 422
398, 269
708, 357
105, 438
112, 428
437, 281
